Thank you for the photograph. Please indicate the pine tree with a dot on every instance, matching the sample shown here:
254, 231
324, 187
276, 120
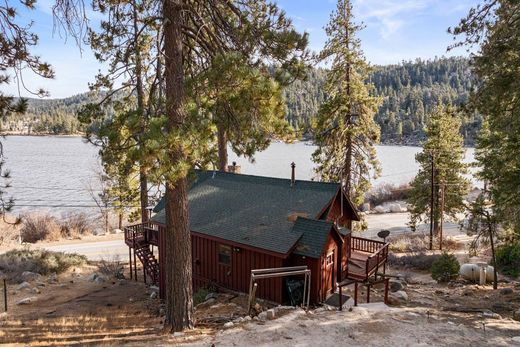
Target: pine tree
16, 42
493, 25
444, 149
128, 40
345, 131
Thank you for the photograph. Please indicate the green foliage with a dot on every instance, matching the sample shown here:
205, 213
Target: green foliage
200, 295
345, 131
44, 262
445, 145
445, 268
494, 26
508, 259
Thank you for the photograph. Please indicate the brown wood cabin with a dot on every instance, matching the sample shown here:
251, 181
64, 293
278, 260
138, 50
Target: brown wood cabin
241, 222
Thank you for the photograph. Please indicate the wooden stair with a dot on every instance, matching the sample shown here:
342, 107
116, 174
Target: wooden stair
150, 263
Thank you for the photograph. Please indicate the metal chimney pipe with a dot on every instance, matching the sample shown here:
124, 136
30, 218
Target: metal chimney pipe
293, 165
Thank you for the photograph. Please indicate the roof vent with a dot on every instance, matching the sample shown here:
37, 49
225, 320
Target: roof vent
234, 168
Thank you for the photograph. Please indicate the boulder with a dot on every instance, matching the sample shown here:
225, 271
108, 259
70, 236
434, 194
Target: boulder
380, 209
53, 278
516, 315
365, 207
395, 208
471, 272
228, 325
153, 295
27, 301
398, 298
396, 285
23, 285
211, 296
3, 316
516, 339
262, 315
35, 291
270, 314
28, 276
501, 307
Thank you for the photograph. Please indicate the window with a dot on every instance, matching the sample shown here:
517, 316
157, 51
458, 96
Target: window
224, 255
330, 259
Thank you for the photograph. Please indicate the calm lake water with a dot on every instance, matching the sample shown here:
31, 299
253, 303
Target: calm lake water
54, 173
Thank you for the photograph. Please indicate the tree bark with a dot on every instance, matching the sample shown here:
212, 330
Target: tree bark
143, 179
179, 300
348, 117
222, 148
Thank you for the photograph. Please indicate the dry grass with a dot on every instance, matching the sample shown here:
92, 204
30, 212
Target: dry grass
387, 192
419, 242
13, 263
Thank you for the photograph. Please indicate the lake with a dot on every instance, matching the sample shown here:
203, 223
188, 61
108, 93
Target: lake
52, 173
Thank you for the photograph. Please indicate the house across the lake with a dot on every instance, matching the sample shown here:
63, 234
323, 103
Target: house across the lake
241, 222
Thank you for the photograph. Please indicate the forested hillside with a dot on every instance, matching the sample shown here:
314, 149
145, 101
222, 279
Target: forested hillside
408, 90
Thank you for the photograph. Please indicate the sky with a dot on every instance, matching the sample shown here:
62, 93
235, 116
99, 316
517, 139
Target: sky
395, 30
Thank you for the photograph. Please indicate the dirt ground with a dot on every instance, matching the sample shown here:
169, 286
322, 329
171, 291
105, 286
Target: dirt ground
76, 311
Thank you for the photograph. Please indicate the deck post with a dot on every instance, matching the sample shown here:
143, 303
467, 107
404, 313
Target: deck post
355, 293
387, 280
130, 260
340, 300
368, 293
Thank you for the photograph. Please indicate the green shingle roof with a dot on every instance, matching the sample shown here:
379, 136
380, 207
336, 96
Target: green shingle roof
252, 210
314, 236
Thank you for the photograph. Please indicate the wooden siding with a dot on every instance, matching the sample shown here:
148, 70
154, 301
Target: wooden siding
236, 276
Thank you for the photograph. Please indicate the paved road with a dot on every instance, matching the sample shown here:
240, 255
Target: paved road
395, 222
97, 250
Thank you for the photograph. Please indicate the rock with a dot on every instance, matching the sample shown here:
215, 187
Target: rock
380, 209
23, 285
228, 325
211, 296
262, 315
153, 295
154, 288
270, 314
3, 316
396, 286
40, 284
501, 307
395, 208
398, 298
27, 301
100, 279
471, 272
117, 231
35, 291
28, 276
365, 207
516, 315
178, 334
53, 278
516, 339
506, 291
92, 277
247, 318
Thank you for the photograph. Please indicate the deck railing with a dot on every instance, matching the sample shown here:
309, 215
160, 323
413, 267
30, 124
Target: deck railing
147, 232
377, 256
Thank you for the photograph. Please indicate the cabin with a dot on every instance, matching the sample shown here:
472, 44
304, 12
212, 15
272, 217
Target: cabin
242, 222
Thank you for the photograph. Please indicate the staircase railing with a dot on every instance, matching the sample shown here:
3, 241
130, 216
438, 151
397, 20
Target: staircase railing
378, 255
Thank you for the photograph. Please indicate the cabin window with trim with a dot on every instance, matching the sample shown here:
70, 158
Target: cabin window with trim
330, 259
224, 255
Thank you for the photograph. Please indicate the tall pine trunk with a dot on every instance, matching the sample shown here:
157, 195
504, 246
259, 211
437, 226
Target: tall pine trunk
143, 179
179, 301
222, 148
348, 120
